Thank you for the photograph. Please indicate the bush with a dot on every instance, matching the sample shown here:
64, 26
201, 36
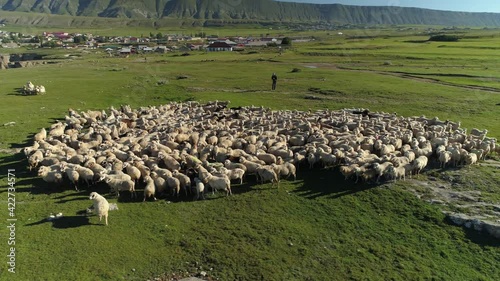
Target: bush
287, 41
444, 38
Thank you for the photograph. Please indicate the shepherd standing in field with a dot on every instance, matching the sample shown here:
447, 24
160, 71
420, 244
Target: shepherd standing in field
275, 79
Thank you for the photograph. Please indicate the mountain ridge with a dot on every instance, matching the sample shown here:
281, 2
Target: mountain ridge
250, 10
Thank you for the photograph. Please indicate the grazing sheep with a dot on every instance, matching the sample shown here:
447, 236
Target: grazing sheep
419, 164
50, 176
230, 165
30, 149
40, 89
251, 167
348, 170
34, 159
285, 170
134, 172
160, 183
233, 174
73, 176
86, 174
57, 131
170, 162
199, 189
396, 172
400, 161
100, 206
267, 174
117, 185
266, 157
380, 169
444, 158
40, 136
174, 185
164, 173
471, 159
215, 182
185, 181
149, 189
327, 159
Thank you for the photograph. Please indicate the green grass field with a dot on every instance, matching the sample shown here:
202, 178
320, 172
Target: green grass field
319, 227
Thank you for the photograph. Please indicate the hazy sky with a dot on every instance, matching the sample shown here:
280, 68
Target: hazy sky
452, 5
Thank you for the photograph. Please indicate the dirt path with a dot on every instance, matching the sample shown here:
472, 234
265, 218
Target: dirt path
404, 76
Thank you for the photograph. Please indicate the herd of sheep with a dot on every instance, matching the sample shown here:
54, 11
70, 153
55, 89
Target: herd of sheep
31, 89
182, 148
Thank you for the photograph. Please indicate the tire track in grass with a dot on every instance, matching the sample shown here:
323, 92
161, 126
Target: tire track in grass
406, 76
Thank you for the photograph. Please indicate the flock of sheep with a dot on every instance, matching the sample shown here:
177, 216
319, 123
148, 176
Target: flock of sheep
183, 148
31, 89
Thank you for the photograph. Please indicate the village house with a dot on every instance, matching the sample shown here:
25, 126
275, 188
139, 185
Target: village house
162, 49
125, 51
219, 46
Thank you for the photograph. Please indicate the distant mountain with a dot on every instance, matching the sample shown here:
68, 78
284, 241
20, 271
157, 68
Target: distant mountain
249, 10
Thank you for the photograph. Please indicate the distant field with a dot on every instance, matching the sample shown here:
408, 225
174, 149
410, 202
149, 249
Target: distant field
319, 227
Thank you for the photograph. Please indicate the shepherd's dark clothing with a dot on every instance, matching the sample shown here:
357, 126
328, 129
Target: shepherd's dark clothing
275, 78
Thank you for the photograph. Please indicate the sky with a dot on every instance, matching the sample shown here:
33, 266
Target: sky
492, 6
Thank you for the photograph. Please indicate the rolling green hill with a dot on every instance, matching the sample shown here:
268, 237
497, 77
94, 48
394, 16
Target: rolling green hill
249, 10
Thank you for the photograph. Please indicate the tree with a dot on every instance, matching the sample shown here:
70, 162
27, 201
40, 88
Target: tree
287, 41
159, 35
80, 39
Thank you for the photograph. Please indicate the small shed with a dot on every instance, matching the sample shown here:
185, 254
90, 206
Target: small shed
125, 51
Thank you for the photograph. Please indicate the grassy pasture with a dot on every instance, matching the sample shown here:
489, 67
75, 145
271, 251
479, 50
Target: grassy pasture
319, 227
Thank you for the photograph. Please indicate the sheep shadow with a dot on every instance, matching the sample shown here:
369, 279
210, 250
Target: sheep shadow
14, 162
19, 92
76, 196
317, 182
65, 222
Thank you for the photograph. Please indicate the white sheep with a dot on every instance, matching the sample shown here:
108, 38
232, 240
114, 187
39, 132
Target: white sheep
348, 170
231, 165
34, 159
174, 185
40, 90
380, 169
49, 175
285, 170
396, 172
419, 164
185, 181
117, 185
100, 206
40, 136
170, 162
233, 174
160, 183
444, 158
149, 189
267, 174
199, 189
73, 176
471, 159
134, 172
266, 157
164, 173
215, 182
251, 167
86, 174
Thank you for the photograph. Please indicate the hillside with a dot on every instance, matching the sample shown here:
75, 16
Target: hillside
248, 10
